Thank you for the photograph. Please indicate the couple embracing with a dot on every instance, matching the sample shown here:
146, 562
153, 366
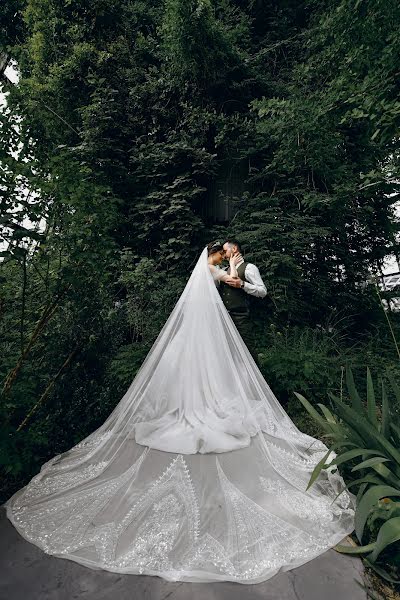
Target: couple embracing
236, 283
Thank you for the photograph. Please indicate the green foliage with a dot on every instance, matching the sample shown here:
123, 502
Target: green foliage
367, 444
322, 151
303, 359
123, 117
198, 45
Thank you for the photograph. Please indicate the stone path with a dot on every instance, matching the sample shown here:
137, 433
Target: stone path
26, 573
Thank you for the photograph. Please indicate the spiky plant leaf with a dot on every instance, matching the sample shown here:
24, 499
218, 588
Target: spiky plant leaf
327, 414
371, 436
311, 410
388, 534
369, 499
353, 393
375, 460
371, 402
367, 479
350, 454
317, 469
355, 549
385, 413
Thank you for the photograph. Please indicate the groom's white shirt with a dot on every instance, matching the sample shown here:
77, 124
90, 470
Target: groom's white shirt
253, 285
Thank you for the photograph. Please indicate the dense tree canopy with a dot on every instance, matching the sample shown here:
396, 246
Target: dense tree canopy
116, 135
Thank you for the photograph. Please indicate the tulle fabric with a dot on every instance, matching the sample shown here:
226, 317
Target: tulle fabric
197, 475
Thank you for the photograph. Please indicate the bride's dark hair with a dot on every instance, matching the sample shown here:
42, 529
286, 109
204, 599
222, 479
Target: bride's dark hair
214, 247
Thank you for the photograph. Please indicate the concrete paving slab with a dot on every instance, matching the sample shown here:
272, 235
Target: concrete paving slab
27, 573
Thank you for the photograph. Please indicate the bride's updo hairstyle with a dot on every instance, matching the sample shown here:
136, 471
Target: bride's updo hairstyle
214, 247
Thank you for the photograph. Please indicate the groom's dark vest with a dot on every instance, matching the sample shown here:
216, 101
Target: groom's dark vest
235, 298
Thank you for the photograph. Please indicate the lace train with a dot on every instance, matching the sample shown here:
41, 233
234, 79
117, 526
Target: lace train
198, 474
184, 517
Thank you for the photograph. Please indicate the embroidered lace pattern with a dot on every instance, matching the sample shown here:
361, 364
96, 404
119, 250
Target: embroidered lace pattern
163, 530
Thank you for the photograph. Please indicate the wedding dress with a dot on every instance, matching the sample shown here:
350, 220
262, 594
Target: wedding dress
198, 474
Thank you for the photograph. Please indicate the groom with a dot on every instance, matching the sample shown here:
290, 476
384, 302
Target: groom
234, 292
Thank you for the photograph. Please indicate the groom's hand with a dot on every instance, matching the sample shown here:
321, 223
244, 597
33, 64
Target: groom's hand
234, 282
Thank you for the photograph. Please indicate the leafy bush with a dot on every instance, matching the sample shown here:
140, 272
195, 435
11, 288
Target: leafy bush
367, 440
303, 359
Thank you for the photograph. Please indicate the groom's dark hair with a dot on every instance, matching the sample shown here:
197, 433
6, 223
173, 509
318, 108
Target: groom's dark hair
235, 243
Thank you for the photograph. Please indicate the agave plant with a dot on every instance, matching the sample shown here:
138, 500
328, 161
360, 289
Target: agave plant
362, 433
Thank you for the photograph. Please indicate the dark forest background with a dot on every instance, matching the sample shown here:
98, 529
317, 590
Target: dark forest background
141, 130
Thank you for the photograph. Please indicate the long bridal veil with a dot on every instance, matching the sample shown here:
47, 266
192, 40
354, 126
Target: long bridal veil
197, 475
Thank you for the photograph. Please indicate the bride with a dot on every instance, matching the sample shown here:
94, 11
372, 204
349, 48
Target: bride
198, 474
